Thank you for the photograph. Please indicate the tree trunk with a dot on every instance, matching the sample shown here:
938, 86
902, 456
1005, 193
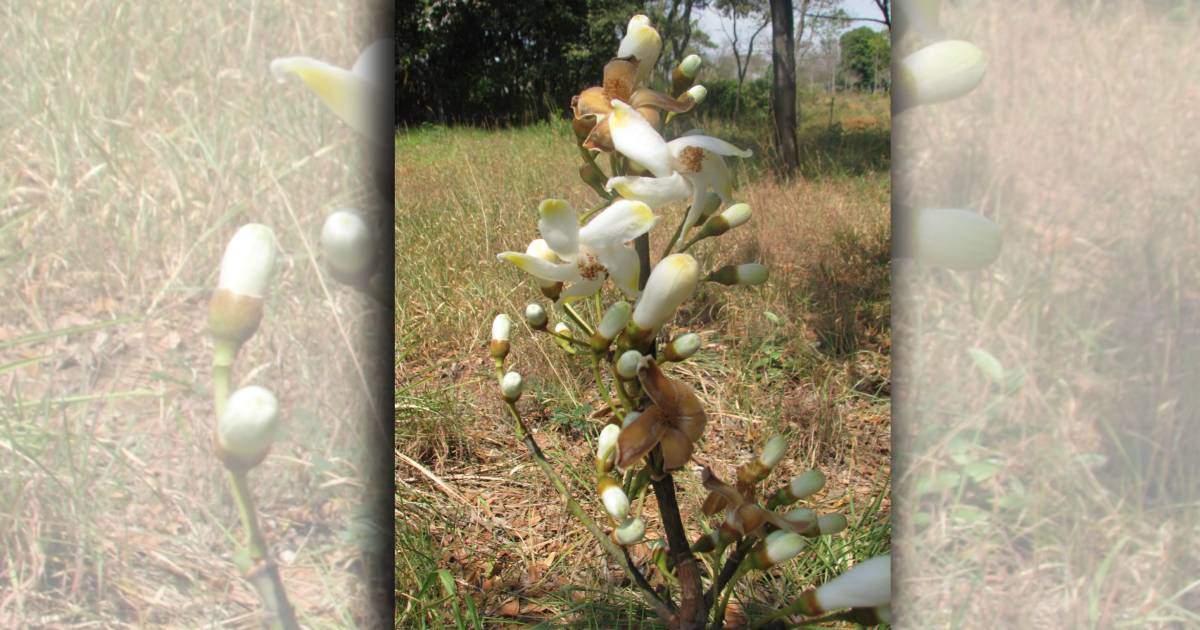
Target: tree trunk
783, 86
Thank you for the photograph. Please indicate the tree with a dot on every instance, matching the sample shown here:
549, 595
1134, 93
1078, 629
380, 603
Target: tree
757, 13
783, 85
865, 57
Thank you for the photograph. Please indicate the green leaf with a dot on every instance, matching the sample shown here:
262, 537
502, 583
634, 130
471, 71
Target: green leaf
988, 364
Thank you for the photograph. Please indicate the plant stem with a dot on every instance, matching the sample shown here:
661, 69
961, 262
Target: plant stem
719, 613
570, 311
662, 608
569, 338
692, 611
731, 565
675, 238
602, 204
603, 387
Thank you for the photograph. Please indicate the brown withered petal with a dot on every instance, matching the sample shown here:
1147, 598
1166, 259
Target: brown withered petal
651, 115
647, 98
676, 448
620, 75
600, 138
583, 127
590, 102
639, 437
713, 503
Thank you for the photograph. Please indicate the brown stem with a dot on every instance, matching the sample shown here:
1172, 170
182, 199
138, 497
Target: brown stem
692, 611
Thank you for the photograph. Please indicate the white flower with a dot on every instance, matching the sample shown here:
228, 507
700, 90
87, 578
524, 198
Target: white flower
643, 42
867, 584
247, 427
590, 254
940, 72
357, 95
346, 240
672, 282
697, 158
248, 261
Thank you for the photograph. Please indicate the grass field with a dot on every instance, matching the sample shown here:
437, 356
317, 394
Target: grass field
1058, 491
482, 539
138, 137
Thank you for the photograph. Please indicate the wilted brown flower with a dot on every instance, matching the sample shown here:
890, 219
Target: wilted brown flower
593, 105
676, 420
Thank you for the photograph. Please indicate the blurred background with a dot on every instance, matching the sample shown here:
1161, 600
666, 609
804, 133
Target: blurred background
138, 137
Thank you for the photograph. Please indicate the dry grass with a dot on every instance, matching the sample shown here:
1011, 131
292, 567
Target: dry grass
490, 523
1063, 496
137, 137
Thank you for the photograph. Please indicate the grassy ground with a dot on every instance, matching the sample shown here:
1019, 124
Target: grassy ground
482, 539
1060, 490
137, 137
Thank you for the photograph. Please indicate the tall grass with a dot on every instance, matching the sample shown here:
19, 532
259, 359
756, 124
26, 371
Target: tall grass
473, 506
137, 137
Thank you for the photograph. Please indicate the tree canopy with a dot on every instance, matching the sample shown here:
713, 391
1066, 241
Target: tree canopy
866, 56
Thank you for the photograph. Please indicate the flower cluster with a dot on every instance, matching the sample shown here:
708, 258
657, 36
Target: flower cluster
655, 421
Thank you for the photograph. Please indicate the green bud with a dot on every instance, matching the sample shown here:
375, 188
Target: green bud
731, 217
536, 316
627, 365
749, 274
690, 66
611, 324
682, 347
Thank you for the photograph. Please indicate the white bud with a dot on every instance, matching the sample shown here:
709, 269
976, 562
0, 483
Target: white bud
955, 239
615, 502
690, 66
780, 546
773, 451
682, 347
830, 524
697, 93
535, 315
631, 532
248, 261
562, 328
614, 320
627, 364
606, 444
749, 274
511, 386
629, 418
940, 72
671, 283
346, 241
248, 425
501, 327
867, 584
736, 214
806, 484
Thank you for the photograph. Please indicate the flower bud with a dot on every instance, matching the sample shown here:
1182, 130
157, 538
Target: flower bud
614, 499
779, 546
830, 524
563, 330
748, 274
627, 365
611, 324
501, 328
248, 261
629, 418
247, 427
867, 584
804, 485
606, 447
631, 532
730, 218
672, 282
690, 66
955, 239
682, 347
757, 470
536, 316
805, 517
697, 93
939, 72
511, 387
346, 241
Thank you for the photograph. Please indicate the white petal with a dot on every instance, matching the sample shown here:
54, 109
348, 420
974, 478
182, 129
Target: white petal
708, 143
376, 61
642, 41
655, 192
623, 267
699, 196
720, 180
581, 289
623, 221
636, 139
540, 268
559, 225
539, 248
866, 585
347, 94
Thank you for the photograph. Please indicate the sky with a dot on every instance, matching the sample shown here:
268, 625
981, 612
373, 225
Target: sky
710, 21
